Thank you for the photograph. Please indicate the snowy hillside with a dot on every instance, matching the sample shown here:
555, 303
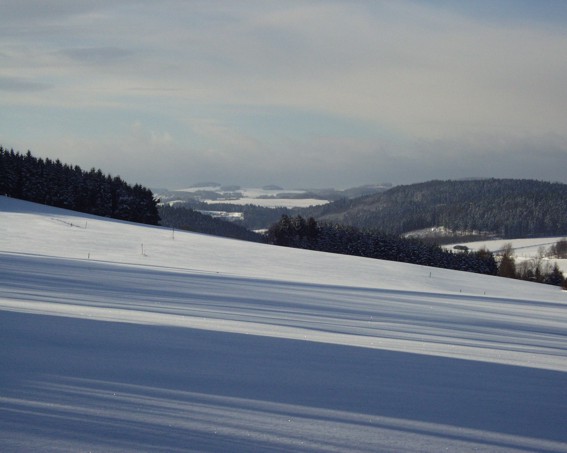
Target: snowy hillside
122, 337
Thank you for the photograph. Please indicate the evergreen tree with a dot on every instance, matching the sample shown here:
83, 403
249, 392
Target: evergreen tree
57, 184
296, 232
507, 266
555, 278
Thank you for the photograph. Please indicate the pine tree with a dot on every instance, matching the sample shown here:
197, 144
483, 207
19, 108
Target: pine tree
507, 266
555, 277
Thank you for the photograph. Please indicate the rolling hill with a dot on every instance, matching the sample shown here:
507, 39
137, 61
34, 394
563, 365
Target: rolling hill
507, 208
124, 337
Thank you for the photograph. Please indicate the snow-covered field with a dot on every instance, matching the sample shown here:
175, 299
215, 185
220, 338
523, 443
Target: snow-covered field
122, 337
289, 203
267, 198
523, 249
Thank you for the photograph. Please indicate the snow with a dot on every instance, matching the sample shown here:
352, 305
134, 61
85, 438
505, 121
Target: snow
523, 249
224, 215
267, 198
123, 337
289, 203
250, 192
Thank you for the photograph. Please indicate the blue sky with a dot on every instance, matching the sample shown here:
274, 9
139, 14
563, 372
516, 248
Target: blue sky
296, 93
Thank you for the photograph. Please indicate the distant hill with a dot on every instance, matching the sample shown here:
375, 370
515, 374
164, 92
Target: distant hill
191, 220
508, 208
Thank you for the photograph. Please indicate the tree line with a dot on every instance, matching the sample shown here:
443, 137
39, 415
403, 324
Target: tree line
295, 231
537, 269
310, 234
254, 217
56, 184
190, 220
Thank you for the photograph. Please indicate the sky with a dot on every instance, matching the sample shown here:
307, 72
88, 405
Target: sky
303, 94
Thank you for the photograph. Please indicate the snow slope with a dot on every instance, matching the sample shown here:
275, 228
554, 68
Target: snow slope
122, 337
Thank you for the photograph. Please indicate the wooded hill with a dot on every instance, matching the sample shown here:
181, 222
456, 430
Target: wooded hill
308, 234
183, 218
57, 184
508, 208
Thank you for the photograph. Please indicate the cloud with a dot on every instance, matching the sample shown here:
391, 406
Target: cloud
224, 136
315, 90
19, 84
97, 55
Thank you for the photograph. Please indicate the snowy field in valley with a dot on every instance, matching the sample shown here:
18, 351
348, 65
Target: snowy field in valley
122, 337
523, 249
242, 196
289, 203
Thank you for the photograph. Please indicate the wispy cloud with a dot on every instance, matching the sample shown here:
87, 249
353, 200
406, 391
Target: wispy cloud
97, 55
19, 84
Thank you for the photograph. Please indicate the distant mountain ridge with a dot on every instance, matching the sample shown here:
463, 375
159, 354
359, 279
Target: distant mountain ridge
509, 208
